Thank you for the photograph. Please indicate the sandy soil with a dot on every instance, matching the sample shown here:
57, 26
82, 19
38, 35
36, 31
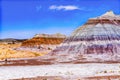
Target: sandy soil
10, 51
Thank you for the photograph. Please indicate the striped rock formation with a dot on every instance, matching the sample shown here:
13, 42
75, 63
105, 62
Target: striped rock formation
97, 40
42, 42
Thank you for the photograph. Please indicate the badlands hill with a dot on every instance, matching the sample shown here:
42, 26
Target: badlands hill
97, 40
42, 43
44, 39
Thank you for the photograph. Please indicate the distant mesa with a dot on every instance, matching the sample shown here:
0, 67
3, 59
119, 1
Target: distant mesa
97, 40
44, 41
57, 35
11, 40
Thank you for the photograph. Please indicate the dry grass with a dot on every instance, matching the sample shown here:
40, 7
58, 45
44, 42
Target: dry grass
8, 51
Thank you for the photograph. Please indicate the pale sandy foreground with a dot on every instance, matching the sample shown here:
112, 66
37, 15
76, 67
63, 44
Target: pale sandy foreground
73, 71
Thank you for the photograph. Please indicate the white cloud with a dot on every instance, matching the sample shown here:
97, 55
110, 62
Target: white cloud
61, 7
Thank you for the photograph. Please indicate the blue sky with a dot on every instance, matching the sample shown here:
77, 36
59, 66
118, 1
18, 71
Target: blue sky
25, 18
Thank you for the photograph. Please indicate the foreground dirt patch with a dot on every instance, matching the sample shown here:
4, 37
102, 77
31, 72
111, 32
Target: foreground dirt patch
24, 62
42, 61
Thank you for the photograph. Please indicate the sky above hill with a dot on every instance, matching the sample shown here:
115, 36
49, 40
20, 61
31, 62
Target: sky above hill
25, 18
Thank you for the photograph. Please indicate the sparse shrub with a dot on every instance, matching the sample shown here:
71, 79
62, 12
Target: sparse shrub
45, 79
105, 71
49, 48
